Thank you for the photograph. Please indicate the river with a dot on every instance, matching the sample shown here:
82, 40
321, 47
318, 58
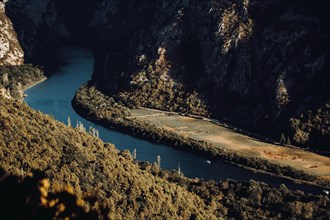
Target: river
54, 96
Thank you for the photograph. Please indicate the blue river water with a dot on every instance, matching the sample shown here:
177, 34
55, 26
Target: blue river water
54, 96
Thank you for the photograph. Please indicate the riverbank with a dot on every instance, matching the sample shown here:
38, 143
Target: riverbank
69, 157
223, 137
17, 79
36, 82
203, 138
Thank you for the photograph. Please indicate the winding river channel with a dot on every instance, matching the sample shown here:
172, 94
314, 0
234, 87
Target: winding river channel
54, 96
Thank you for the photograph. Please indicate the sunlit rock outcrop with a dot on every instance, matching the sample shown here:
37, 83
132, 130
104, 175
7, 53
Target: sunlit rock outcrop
11, 52
254, 63
257, 64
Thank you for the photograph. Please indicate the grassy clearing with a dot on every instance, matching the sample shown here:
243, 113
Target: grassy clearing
198, 136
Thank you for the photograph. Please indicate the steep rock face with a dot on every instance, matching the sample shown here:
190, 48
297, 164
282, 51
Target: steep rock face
11, 52
42, 25
75, 15
253, 63
260, 65
38, 29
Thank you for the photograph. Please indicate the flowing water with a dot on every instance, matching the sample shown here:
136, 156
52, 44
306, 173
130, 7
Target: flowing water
54, 96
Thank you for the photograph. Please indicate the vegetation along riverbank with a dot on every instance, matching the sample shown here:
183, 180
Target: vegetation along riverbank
15, 79
79, 175
203, 137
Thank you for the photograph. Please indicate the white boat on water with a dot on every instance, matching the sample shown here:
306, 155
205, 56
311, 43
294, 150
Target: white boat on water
208, 161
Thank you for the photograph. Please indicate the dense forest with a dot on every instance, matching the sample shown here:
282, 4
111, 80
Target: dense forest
94, 105
79, 166
260, 66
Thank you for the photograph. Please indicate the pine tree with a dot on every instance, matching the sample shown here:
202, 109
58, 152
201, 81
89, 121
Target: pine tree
5, 80
134, 154
69, 122
158, 160
288, 141
93, 132
80, 127
282, 139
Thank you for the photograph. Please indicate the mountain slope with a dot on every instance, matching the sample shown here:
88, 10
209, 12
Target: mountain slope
259, 65
30, 140
11, 52
117, 187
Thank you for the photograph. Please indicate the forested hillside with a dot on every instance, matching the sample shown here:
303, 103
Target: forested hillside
115, 186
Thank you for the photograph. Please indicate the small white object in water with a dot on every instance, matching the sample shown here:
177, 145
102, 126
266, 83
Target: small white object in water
207, 161
326, 192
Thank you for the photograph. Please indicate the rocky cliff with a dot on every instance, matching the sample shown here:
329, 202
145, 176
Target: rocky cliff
261, 65
38, 29
10, 50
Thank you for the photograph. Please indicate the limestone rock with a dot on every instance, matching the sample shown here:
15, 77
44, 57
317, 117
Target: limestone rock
11, 52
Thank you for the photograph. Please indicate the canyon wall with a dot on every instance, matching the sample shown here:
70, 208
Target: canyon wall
261, 65
11, 52
38, 29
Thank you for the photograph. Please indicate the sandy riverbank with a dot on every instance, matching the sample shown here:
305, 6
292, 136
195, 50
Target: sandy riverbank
26, 87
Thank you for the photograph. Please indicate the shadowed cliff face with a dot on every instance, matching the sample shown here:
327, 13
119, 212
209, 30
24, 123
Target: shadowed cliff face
41, 25
35, 25
262, 65
76, 15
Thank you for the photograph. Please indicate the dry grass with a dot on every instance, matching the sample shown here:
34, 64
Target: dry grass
221, 137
